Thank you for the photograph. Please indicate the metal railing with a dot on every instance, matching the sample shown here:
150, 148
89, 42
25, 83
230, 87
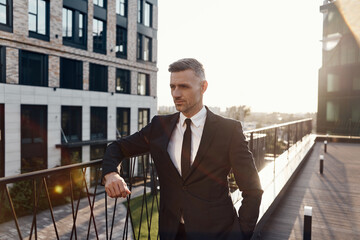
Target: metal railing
75, 185
268, 143
72, 184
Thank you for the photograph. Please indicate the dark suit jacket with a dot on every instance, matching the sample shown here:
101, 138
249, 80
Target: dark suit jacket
203, 195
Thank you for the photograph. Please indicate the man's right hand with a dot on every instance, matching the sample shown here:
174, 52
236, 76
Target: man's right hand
115, 186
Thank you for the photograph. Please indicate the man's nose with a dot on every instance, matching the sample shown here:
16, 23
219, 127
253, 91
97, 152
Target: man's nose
176, 93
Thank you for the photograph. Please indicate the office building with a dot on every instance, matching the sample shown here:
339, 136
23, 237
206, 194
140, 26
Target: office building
339, 76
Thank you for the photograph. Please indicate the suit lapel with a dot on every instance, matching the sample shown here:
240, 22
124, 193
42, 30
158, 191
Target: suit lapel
209, 131
168, 129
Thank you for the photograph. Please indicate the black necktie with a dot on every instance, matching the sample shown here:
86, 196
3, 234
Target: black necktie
186, 149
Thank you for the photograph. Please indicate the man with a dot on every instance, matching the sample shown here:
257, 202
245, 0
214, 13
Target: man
193, 151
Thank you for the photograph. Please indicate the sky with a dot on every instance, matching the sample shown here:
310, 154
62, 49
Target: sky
262, 54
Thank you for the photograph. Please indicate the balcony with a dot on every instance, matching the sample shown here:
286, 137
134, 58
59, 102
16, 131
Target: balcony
68, 203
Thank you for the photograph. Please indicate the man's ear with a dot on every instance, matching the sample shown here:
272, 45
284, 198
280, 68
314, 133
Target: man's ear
204, 85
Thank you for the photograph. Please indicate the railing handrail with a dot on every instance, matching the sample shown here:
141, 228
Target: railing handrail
278, 125
45, 172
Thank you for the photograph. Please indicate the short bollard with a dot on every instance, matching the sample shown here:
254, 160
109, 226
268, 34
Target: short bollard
321, 164
307, 222
325, 146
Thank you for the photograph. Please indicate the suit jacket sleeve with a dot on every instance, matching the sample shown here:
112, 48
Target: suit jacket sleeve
247, 179
133, 145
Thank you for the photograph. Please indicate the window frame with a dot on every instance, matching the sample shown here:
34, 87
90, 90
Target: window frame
120, 124
124, 4
36, 34
140, 53
120, 40
102, 49
9, 17
140, 11
35, 140
75, 40
97, 117
24, 77
127, 77
77, 80
147, 85
95, 85
74, 124
2, 64
97, 4
148, 14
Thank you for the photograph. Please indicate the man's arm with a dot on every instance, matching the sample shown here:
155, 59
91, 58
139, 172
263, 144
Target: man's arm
247, 179
132, 145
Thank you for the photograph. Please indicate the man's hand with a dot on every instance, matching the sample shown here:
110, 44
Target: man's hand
115, 186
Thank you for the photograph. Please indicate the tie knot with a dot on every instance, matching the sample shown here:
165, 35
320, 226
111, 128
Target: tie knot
188, 122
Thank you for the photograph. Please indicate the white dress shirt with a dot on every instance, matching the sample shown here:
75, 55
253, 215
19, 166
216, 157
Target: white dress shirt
175, 144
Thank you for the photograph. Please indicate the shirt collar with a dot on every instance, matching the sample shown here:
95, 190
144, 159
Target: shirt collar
198, 119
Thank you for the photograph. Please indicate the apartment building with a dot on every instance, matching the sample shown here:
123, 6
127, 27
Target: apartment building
74, 76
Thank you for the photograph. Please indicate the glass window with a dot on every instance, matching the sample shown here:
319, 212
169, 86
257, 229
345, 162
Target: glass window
98, 123
332, 111
347, 53
39, 19
74, 33
2, 141
140, 11
6, 15
121, 7
143, 118
333, 82
143, 84
356, 83
100, 3
67, 22
33, 138
98, 78
99, 36
139, 46
148, 15
71, 73
147, 49
2, 64
3, 12
121, 42
71, 127
122, 122
144, 47
33, 69
122, 81
71, 155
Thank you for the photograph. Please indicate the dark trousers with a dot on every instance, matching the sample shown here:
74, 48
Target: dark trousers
181, 234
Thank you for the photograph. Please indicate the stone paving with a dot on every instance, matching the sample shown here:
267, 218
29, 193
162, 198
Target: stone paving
64, 220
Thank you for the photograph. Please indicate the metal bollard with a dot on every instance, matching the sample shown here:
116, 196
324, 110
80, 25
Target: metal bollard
325, 146
307, 222
321, 164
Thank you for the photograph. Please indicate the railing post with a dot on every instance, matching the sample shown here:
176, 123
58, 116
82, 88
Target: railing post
325, 146
307, 222
321, 164
275, 140
288, 144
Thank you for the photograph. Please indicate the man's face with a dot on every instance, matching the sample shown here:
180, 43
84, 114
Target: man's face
187, 91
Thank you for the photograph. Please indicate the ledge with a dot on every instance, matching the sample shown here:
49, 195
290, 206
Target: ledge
83, 143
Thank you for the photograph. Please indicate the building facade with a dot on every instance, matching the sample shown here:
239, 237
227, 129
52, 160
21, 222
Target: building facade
74, 75
339, 76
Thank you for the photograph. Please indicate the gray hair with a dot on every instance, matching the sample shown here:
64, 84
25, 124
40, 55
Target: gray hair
188, 63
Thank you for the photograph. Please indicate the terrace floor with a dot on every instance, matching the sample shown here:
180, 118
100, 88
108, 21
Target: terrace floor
334, 197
